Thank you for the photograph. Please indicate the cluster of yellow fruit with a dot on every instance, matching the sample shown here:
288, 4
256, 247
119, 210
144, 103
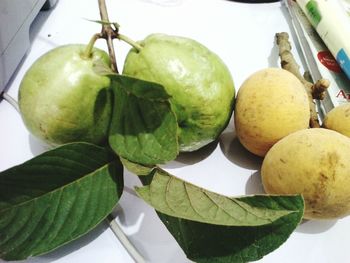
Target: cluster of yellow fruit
272, 121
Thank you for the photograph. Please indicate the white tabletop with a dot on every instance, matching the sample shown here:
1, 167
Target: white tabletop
243, 36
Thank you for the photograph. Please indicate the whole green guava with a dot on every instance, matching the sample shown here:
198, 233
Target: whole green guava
62, 99
198, 81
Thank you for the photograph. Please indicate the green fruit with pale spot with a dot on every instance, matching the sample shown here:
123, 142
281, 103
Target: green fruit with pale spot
62, 99
198, 81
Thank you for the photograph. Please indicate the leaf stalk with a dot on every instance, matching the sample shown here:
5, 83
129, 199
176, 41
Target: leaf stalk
88, 50
131, 42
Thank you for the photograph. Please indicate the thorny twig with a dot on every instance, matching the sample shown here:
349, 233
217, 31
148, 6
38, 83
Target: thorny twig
108, 33
314, 91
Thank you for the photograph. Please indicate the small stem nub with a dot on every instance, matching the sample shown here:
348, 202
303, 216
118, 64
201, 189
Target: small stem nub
131, 42
88, 50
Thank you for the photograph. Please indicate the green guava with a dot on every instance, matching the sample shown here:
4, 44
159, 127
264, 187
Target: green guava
61, 99
198, 81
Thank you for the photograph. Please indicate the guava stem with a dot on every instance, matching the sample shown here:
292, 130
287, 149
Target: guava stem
103, 10
88, 50
314, 90
10, 100
109, 34
131, 42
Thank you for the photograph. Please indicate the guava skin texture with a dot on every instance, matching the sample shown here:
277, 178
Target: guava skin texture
62, 99
198, 81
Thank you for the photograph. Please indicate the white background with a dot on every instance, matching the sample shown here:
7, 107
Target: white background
243, 36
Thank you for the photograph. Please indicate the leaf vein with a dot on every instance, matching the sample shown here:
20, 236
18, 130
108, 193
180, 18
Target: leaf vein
167, 190
190, 200
219, 208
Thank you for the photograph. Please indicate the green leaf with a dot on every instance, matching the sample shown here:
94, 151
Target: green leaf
213, 228
208, 243
144, 127
175, 197
56, 197
115, 24
140, 170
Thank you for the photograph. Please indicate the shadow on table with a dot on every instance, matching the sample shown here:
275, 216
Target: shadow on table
315, 226
235, 152
36, 146
188, 158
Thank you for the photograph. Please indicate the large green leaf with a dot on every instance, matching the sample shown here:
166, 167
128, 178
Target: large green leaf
143, 127
208, 243
175, 197
56, 197
215, 228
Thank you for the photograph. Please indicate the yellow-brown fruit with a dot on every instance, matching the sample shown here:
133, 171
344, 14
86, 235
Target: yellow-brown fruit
338, 119
271, 104
314, 163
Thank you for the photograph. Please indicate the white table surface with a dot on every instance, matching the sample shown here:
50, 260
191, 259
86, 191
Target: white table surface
243, 36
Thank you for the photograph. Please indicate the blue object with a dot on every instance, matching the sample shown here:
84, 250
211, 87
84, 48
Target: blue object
344, 62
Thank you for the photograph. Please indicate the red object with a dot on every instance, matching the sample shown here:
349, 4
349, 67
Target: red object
327, 59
